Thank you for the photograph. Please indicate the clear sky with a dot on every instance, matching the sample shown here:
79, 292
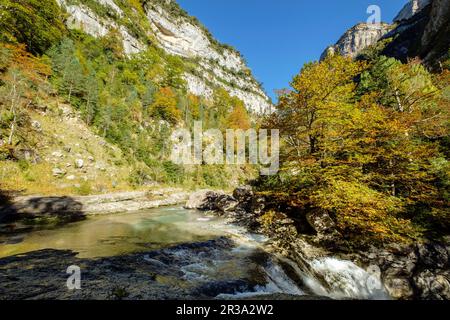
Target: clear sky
277, 37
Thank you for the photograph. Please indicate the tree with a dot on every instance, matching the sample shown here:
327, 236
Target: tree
321, 93
164, 106
400, 86
238, 118
366, 164
35, 23
67, 68
22, 79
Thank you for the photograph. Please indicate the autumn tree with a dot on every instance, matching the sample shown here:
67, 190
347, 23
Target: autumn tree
21, 80
238, 118
164, 106
345, 153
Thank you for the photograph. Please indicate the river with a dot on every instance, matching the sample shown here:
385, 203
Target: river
169, 253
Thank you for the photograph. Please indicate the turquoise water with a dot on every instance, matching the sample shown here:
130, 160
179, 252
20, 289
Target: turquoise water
115, 234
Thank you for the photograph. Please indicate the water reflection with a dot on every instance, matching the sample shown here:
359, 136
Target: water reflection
110, 235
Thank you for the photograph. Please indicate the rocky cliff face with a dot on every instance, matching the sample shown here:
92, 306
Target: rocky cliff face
424, 35
420, 29
357, 39
215, 64
218, 65
411, 9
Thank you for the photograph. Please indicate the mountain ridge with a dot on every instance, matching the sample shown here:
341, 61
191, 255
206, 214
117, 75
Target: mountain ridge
418, 30
178, 33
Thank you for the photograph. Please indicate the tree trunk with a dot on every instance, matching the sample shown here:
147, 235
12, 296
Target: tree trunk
13, 128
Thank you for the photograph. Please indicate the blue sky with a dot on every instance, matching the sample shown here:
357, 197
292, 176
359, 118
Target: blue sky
277, 37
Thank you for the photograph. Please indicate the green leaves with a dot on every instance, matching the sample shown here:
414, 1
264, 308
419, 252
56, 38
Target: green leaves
36, 23
363, 151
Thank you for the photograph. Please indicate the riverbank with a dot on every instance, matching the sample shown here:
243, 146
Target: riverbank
163, 253
62, 209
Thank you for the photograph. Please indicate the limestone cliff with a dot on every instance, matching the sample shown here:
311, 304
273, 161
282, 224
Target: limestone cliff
421, 29
424, 35
171, 28
411, 9
358, 38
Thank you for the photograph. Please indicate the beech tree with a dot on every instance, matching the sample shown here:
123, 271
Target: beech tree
366, 164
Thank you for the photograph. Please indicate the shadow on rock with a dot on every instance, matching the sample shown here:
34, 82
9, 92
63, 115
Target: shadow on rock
20, 214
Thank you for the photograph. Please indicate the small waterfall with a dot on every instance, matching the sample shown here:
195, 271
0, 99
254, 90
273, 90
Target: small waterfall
342, 279
324, 276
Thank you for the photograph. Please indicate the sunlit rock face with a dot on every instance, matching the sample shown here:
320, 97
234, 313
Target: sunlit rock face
216, 65
83, 18
357, 39
420, 29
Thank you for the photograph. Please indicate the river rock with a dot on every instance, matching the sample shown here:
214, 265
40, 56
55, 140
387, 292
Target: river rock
225, 203
203, 200
243, 193
433, 255
432, 285
322, 223
398, 288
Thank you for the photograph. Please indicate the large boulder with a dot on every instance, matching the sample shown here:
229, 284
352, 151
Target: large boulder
203, 200
225, 203
243, 193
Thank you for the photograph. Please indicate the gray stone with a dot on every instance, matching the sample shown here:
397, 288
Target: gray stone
79, 163
203, 200
432, 285
57, 172
57, 154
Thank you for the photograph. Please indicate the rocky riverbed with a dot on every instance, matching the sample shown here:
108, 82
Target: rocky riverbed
416, 271
219, 249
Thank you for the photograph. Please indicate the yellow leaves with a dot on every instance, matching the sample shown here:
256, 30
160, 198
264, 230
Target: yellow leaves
165, 106
359, 208
238, 118
35, 69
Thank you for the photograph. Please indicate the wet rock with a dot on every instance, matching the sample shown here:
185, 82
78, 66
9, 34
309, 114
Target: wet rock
322, 223
258, 205
433, 285
398, 288
433, 255
203, 200
213, 289
243, 194
225, 203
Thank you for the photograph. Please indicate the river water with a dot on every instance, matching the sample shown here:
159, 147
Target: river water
168, 229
